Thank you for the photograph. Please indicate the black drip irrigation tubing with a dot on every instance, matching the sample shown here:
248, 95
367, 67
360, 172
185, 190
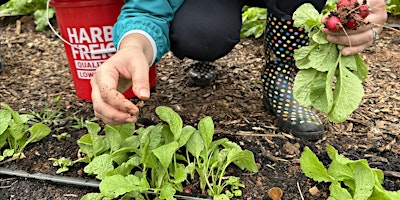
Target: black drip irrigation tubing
73, 181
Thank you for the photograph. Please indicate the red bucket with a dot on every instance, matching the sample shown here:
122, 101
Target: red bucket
86, 29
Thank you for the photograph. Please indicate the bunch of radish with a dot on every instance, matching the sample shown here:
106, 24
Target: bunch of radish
348, 14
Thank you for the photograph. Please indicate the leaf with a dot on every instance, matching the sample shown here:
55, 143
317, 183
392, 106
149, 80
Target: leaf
165, 153
16, 117
243, 159
116, 185
37, 132
16, 130
100, 166
253, 21
113, 137
3, 140
220, 197
126, 167
334, 155
167, 192
338, 193
306, 15
302, 85
362, 70
143, 184
319, 37
349, 62
347, 95
180, 174
125, 130
340, 171
92, 196
93, 129
364, 177
187, 132
8, 152
172, 118
85, 144
41, 17
206, 130
131, 142
16, 125
195, 144
320, 95
100, 145
5, 117
324, 57
312, 167
302, 54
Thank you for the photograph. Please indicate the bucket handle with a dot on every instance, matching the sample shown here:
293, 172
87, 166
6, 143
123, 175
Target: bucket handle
95, 52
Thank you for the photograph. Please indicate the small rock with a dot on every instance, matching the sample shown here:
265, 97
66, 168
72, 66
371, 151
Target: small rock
313, 191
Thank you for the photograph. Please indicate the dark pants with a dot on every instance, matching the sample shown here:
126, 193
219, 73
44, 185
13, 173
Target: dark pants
3, 2
206, 30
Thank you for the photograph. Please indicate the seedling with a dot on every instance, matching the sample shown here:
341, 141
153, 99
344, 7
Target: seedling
51, 115
161, 158
63, 163
16, 134
62, 136
80, 122
349, 179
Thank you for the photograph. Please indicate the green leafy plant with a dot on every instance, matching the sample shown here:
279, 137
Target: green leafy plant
393, 7
349, 179
27, 7
327, 81
211, 158
330, 5
61, 136
63, 163
161, 158
16, 133
50, 115
253, 22
254, 19
80, 122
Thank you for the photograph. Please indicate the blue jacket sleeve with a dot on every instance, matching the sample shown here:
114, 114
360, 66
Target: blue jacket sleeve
151, 16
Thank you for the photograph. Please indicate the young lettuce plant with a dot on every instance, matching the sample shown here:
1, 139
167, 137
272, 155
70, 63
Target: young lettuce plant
150, 153
349, 179
16, 134
131, 163
211, 159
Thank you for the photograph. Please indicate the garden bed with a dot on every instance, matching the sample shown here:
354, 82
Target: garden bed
36, 73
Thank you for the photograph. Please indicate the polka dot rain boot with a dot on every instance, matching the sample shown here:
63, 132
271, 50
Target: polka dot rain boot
281, 38
202, 73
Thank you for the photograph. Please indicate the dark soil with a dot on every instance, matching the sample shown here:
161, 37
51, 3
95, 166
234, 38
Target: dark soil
36, 72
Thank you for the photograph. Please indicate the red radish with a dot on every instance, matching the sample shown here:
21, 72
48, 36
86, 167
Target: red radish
333, 23
345, 3
354, 22
351, 24
364, 11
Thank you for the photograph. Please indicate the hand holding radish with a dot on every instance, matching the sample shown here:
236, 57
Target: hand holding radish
352, 22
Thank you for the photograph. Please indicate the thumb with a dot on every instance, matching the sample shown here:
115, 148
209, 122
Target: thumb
140, 81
